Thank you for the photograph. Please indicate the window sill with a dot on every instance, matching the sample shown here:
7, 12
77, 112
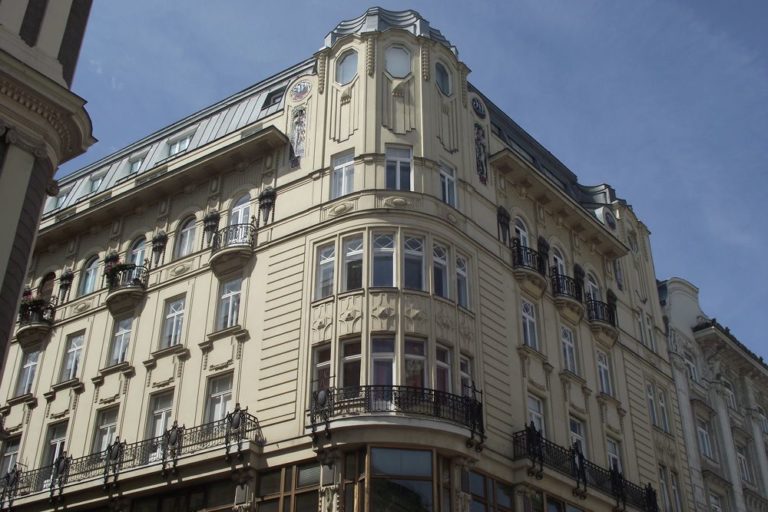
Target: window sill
322, 300
663, 432
573, 377
125, 368
168, 351
26, 398
383, 289
417, 291
75, 384
466, 310
528, 351
606, 397
349, 293
235, 331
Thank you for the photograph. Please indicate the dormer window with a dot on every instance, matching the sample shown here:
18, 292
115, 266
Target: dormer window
397, 61
135, 164
273, 98
62, 197
346, 68
443, 79
95, 183
179, 145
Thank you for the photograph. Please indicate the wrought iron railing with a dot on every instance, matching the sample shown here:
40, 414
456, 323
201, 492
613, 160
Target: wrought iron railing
37, 310
530, 444
526, 257
466, 411
126, 275
233, 430
565, 286
601, 312
234, 235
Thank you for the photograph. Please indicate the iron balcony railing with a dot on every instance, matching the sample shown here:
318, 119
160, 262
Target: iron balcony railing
601, 312
466, 411
530, 444
525, 257
126, 275
565, 286
233, 430
234, 235
37, 310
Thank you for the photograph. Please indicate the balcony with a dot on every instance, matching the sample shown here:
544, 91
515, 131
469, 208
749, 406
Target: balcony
334, 403
36, 316
602, 321
530, 444
529, 268
126, 285
568, 296
232, 435
232, 247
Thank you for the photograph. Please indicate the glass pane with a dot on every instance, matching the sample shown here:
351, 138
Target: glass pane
398, 61
269, 483
306, 502
405, 176
504, 495
401, 495
384, 345
388, 461
309, 475
269, 506
477, 484
382, 270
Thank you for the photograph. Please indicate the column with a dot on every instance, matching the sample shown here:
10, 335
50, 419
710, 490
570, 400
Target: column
727, 447
757, 435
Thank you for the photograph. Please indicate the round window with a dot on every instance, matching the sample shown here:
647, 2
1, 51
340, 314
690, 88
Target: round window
443, 78
346, 68
398, 61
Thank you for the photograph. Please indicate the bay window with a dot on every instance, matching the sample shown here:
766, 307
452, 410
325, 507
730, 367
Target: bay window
321, 368
462, 289
383, 259
350, 365
413, 263
352, 271
326, 260
440, 270
443, 369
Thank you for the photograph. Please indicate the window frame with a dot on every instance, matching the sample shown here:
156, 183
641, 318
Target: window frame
119, 335
10, 458
384, 253
66, 374
521, 232
88, 276
321, 368
444, 80
340, 61
26, 379
528, 322
745, 468
394, 164
613, 455
165, 413
447, 184
462, 281
55, 442
325, 270
413, 256
387, 61
604, 378
579, 435
352, 255
104, 432
440, 271
179, 145
443, 368
706, 448
537, 415
342, 175
215, 398
173, 320
412, 358
568, 344
229, 299
185, 239
351, 360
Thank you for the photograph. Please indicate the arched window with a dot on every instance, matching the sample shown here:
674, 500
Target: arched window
88, 275
521, 232
397, 60
45, 290
443, 78
346, 68
558, 261
185, 237
241, 211
593, 289
138, 251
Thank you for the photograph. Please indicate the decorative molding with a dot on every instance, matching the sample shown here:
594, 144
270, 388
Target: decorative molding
370, 55
425, 60
321, 62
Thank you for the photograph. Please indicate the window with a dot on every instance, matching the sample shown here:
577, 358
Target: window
106, 428
229, 303
443, 369
604, 373
137, 252
10, 455
241, 211
174, 320
730, 396
663, 414
397, 61
465, 373
593, 289
398, 168
440, 270
177, 146
705, 443
651, 395
55, 441
88, 275
536, 413
352, 272
619, 273
413, 263
186, 238
321, 368
715, 503
614, 454
121, 337
569, 349
666, 504
219, 396
651, 337
442, 79
95, 183
45, 290
71, 361
448, 185
343, 176
762, 420
521, 232
273, 98
558, 262
690, 365
350, 365
62, 197
407, 471
383, 260
346, 68
462, 288
135, 164
676, 496
415, 363
528, 312
160, 410
27, 375
578, 435
744, 468
326, 260
383, 361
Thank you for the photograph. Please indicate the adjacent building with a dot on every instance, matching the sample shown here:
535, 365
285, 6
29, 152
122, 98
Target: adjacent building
356, 285
721, 387
42, 124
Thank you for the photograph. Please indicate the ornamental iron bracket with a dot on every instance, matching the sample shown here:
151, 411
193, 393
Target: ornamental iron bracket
535, 443
235, 423
59, 475
322, 405
113, 459
579, 471
171, 444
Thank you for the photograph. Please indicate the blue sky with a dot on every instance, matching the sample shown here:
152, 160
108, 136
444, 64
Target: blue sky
665, 100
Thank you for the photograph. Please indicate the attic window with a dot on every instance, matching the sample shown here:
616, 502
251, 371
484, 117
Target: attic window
62, 197
273, 98
179, 145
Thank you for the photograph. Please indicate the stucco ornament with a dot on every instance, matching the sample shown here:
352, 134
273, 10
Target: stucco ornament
299, 131
481, 154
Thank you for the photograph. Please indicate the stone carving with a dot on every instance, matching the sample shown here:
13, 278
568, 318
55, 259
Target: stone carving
370, 55
481, 154
298, 131
344, 114
398, 108
447, 120
383, 312
425, 61
322, 322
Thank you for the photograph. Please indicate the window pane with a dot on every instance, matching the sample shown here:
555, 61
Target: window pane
346, 69
309, 475
403, 495
398, 61
386, 461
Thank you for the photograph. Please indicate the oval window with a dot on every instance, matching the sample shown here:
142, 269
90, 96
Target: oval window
397, 61
443, 78
346, 68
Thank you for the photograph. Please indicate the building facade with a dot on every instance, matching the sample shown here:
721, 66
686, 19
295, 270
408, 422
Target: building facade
42, 124
356, 285
721, 387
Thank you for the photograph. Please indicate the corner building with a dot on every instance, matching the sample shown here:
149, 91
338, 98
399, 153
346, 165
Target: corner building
357, 285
